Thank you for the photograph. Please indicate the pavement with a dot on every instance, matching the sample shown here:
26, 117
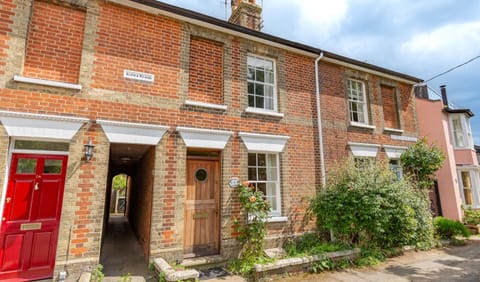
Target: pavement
443, 264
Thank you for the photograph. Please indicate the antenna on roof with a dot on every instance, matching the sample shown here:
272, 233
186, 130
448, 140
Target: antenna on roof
226, 10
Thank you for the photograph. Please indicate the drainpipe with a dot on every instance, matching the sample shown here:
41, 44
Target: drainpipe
319, 122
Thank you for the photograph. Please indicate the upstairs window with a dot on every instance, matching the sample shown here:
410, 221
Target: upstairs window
357, 102
462, 136
261, 83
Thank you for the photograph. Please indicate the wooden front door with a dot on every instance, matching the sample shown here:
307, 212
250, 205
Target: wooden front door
201, 230
31, 216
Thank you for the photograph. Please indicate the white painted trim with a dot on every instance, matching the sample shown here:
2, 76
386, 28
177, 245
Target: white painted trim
381, 74
277, 219
394, 152
263, 143
392, 130
204, 138
132, 133
39, 126
364, 149
5, 179
39, 81
42, 116
361, 125
257, 111
206, 105
403, 138
275, 93
43, 152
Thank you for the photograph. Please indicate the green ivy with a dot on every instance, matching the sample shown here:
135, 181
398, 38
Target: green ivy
471, 216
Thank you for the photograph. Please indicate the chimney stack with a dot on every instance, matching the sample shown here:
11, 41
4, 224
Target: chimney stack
246, 13
444, 96
421, 91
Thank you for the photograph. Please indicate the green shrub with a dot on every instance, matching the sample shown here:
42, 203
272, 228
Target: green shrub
447, 228
471, 216
311, 244
371, 207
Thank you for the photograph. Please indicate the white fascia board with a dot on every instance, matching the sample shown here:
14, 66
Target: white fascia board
364, 149
46, 82
394, 152
132, 133
40, 126
204, 138
264, 142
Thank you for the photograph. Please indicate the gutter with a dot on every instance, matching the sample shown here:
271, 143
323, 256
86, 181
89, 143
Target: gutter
319, 122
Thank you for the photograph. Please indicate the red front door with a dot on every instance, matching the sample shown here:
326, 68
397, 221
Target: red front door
31, 216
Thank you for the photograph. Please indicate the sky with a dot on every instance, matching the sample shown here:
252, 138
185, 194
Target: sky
421, 38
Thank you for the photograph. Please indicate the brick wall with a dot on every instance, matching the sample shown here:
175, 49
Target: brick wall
206, 71
6, 20
55, 40
337, 131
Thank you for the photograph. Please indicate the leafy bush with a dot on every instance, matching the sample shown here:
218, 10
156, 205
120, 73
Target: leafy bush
311, 244
447, 228
471, 216
420, 161
371, 207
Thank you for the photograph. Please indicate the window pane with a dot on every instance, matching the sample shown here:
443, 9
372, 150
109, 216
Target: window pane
259, 90
262, 174
262, 187
269, 77
259, 102
269, 91
272, 160
52, 166
25, 166
251, 88
251, 74
41, 145
273, 203
251, 100
252, 159
269, 103
467, 187
262, 160
271, 189
260, 76
252, 174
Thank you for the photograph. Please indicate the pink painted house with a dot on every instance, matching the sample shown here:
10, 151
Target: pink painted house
458, 181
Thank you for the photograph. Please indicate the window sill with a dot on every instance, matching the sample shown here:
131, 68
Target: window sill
277, 219
362, 125
394, 130
39, 81
273, 219
206, 105
263, 112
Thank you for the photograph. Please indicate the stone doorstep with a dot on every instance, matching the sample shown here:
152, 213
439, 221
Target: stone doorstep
288, 262
204, 262
171, 274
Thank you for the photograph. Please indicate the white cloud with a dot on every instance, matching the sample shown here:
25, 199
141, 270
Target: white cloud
448, 43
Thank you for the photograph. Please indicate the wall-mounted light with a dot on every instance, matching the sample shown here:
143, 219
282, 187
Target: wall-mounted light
89, 150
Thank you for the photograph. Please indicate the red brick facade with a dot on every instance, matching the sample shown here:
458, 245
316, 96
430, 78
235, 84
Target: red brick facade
93, 44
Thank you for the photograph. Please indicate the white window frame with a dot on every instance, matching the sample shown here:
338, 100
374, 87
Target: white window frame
274, 85
466, 132
364, 104
275, 215
475, 185
396, 167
